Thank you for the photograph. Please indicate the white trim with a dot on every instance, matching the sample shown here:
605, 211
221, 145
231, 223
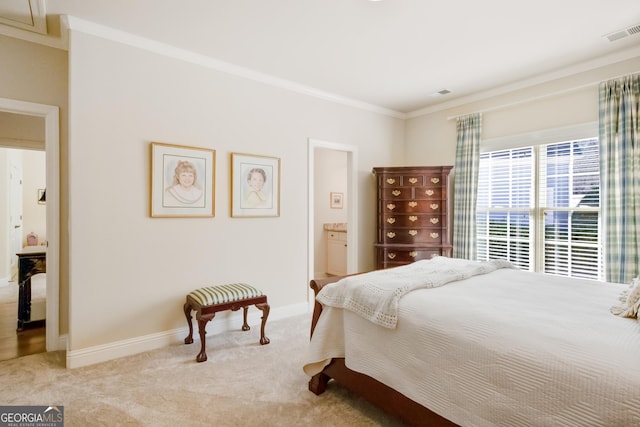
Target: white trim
38, 32
77, 24
38, 17
68, 22
352, 205
545, 136
583, 67
102, 353
50, 114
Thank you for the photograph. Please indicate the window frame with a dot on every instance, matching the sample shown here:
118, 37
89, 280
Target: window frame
536, 140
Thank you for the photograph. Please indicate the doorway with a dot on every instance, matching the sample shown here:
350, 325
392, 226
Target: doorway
351, 203
23, 231
50, 116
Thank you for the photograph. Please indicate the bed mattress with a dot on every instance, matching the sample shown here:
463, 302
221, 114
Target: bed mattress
508, 348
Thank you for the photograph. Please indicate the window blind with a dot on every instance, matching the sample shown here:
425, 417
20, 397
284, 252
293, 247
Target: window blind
570, 208
539, 208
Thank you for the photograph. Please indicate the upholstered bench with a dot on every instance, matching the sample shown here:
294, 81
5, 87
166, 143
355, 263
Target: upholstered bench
206, 302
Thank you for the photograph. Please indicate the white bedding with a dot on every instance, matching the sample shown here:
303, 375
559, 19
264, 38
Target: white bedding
375, 295
508, 348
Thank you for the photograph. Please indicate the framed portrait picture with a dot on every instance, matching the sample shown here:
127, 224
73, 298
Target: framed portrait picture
255, 185
182, 181
336, 200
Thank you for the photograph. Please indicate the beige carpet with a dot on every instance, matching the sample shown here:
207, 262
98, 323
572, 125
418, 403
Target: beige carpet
242, 384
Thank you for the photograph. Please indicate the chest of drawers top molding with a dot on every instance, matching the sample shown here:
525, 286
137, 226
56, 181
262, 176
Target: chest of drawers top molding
412, 205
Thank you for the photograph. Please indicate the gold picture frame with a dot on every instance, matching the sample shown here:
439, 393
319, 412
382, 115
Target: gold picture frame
255, 185
337, 200
182, 181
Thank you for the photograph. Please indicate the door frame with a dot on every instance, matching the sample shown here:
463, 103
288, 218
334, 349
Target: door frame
352, 205
50, 114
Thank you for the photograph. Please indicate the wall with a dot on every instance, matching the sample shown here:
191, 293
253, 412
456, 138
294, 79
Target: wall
130, 272
5, 214
34, 215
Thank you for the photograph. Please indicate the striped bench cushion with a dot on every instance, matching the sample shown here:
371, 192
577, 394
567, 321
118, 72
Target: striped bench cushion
220, 294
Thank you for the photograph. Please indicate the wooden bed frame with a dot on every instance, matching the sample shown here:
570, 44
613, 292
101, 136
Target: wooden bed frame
384, 397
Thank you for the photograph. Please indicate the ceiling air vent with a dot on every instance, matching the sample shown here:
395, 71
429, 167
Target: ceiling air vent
620, 34
441, 92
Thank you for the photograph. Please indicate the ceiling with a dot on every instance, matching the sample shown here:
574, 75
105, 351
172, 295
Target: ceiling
394, 54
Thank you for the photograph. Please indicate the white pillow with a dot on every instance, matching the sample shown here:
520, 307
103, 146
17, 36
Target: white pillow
630, 299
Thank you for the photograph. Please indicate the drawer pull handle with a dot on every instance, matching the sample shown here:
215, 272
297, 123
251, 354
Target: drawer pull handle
391, 181
413, 180
434, 235
435, 180
434, 206
391, 220
413, 232
391, 234
413, 218
413, 254
429, 192
413, 204
391, 206
435, 220
396, 192
391, 255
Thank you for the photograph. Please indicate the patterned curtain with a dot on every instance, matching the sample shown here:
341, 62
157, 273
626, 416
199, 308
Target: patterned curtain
466, 186
620, 176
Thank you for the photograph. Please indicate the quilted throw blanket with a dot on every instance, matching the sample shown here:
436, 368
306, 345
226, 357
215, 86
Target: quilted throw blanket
375, 295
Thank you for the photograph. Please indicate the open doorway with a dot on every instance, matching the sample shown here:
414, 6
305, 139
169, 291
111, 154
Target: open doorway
48, 116
346, 201
23, 232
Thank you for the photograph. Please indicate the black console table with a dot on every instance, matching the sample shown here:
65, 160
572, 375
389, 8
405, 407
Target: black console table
32, 260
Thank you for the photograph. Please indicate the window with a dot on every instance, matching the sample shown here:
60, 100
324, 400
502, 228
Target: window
539, 207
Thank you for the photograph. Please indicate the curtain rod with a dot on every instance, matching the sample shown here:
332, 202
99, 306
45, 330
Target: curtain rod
537, 98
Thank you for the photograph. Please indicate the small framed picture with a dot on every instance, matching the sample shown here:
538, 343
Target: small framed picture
42, 196
336, 200
182, 181
255, 185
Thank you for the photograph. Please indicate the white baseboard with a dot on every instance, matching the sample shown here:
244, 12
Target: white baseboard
224, 321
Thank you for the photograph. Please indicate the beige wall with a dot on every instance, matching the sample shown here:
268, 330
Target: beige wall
34, 214
129, 272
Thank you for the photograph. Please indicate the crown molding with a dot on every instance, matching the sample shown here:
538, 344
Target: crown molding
33, 13
30, 36
73, 23
582, 67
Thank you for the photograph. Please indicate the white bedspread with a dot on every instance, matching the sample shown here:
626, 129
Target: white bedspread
375, 295
508, 348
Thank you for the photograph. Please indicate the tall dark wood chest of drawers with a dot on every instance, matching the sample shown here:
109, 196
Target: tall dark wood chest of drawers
413, 221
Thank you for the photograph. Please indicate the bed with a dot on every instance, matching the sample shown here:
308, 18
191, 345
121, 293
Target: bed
502, 347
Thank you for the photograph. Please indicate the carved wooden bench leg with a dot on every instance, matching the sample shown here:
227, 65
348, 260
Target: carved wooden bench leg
245, 325
202, 330
265, 313
187, 313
